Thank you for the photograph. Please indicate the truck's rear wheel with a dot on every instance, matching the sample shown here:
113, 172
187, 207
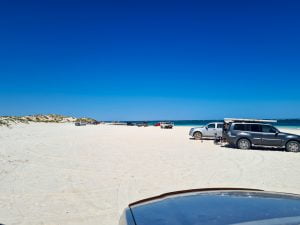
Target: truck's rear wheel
244, 143
197, 135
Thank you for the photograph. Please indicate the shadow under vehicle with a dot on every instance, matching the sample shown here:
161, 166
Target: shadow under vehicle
215, 206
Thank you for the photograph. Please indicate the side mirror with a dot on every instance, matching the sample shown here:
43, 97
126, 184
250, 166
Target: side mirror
206, 128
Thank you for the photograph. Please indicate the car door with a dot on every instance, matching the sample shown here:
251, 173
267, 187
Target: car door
270, 136
219, 129
211, 129
256, 134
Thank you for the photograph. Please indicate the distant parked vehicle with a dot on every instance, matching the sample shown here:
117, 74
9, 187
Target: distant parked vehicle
80, 124
142, 124
118, 123
130, 124
245, 133
166, 125
157, 124
211, 130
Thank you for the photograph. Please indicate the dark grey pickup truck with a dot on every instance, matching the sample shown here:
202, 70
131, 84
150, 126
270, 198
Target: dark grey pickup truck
244, 135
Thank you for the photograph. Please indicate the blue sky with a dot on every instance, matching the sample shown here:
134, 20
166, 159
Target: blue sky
143, 60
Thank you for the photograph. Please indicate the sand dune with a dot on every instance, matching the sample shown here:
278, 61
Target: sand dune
62, 174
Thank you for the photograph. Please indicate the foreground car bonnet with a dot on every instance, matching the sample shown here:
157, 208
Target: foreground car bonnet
214, 207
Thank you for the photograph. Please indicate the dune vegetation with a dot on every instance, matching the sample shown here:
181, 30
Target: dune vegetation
40, 118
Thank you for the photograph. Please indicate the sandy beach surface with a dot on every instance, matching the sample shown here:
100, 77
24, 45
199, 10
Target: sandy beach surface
59, 174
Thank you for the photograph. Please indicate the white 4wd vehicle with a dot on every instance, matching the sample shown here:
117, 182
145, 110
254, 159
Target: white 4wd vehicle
166, 125
209, 131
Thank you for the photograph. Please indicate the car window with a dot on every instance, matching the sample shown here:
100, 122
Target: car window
243, 127
211, 125
219, 125
239, 127
268, 129
247, 127
255, 127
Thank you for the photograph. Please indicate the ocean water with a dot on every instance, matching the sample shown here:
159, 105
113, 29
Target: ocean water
283, 123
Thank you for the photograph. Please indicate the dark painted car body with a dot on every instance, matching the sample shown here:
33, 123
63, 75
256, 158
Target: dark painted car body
258, 134
215, 207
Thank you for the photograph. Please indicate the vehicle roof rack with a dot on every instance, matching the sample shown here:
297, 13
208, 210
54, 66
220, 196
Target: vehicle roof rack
231, 120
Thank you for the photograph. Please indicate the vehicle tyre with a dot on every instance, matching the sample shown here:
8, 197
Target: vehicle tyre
244, 143
197, 135
292, 146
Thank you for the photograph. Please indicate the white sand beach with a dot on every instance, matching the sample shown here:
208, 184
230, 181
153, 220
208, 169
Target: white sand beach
59, 174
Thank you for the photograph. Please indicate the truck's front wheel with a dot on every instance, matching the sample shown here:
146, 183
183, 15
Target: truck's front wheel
293, 146
197, 135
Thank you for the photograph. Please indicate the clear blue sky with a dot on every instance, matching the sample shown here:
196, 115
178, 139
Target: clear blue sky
140, 60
